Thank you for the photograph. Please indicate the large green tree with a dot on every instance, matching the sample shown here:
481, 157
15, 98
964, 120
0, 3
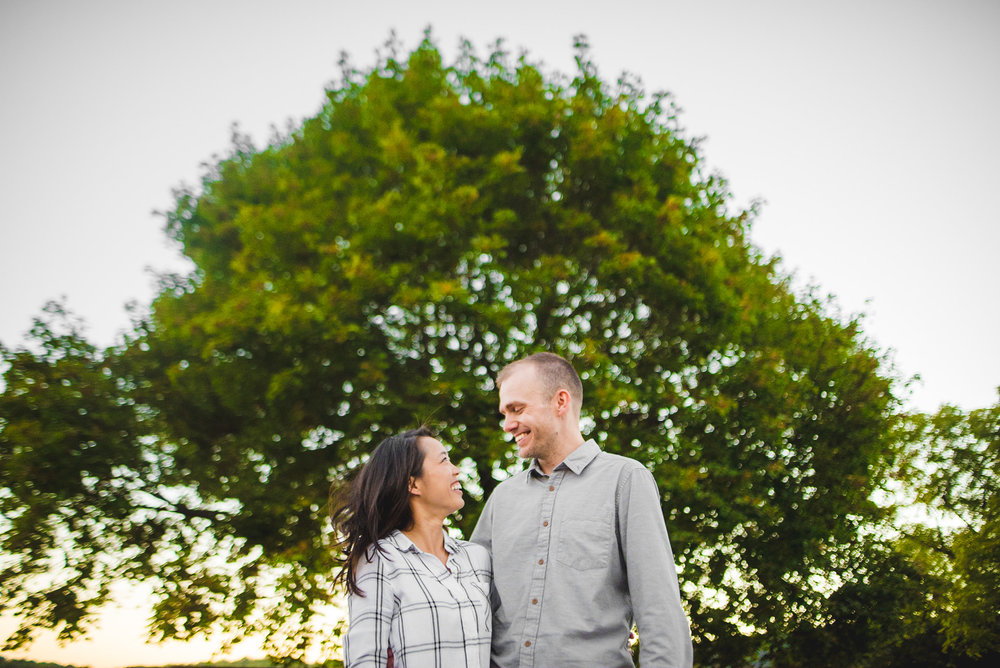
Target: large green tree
953, 463
922, 591
374, 269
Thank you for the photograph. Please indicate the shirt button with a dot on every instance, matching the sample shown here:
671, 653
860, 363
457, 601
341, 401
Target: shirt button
541, 561
545, 523
534, 601
527, 643
552, 488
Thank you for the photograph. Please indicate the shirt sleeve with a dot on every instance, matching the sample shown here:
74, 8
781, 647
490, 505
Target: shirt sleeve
483, 535
664, 633
366, 644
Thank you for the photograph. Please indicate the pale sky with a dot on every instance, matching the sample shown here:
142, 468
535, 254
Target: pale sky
869, 129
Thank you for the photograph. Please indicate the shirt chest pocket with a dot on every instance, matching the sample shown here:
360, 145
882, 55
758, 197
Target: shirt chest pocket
584, 544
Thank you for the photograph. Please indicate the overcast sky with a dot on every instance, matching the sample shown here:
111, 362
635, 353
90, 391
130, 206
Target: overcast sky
868, 128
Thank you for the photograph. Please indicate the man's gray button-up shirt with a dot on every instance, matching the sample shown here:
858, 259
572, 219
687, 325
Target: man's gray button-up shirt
578, 555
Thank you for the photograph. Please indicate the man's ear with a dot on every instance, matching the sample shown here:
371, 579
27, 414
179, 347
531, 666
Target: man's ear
563, 402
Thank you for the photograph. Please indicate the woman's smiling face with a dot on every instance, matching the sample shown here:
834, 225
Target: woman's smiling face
437, 488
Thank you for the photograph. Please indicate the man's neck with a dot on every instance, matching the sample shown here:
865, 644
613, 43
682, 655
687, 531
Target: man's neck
549, 463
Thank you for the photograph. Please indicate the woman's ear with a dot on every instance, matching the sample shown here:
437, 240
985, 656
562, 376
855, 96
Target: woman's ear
413, 488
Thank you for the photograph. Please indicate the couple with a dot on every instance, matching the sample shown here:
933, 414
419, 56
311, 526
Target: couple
578, 543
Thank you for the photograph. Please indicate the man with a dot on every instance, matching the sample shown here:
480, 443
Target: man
578, 541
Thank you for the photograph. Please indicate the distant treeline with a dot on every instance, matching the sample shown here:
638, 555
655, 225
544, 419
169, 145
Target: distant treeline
25, 663
242, 663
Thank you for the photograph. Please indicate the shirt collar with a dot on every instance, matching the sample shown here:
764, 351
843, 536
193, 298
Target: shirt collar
576, 462
404, 544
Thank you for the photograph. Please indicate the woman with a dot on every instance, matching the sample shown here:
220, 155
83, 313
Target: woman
416, 596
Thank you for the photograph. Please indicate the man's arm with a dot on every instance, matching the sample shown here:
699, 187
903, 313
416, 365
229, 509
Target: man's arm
483, 535
664, 633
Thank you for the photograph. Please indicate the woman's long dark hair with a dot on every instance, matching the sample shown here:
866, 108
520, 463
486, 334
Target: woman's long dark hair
377, 503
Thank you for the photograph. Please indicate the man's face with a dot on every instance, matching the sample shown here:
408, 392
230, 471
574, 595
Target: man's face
529, 416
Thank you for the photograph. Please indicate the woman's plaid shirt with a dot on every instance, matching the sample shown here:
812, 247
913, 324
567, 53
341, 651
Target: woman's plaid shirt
429, 615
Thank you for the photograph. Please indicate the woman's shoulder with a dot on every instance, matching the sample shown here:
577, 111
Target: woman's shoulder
377, 570
479, 556
381, 556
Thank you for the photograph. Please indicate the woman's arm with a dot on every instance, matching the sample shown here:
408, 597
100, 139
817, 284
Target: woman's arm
366, 644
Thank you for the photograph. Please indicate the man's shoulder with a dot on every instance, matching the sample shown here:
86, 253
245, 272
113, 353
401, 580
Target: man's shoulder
619, 462
513, 484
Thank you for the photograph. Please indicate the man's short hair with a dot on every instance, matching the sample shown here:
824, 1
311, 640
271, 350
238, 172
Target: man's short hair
554, 372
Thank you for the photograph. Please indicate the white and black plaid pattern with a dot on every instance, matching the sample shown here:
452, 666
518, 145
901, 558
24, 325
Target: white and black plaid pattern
430, 616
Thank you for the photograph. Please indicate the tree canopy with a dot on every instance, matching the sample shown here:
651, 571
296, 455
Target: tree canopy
953, 463
374, 269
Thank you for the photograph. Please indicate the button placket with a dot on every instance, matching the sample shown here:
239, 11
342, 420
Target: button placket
468, 616
536, 589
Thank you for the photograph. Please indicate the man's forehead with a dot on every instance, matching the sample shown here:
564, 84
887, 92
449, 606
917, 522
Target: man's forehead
522, 374
517, 389
512, 383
